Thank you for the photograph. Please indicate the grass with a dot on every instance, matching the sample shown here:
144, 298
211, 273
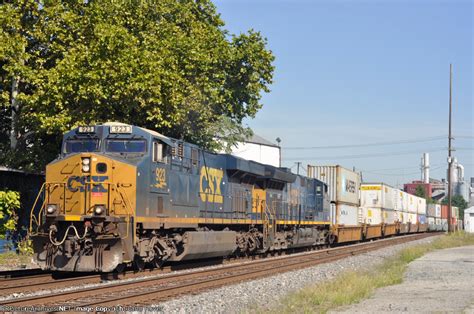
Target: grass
352, 287
14, 260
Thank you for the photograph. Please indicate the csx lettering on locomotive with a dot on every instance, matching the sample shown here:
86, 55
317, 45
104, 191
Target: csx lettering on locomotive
210, 185
76, 183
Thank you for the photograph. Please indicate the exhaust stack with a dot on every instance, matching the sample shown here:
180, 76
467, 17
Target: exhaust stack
426, 167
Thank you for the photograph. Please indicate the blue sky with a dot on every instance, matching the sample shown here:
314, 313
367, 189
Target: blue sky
358, 72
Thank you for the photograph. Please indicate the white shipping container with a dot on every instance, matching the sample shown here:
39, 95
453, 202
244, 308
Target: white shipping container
399, 216
405, 201
389, 216
343, 184
405, 217
421, 206
377, 195
444, 224
431, 210
412, 217
348, 214
431, 223
412, 206
438, 211
398, 199
371, 215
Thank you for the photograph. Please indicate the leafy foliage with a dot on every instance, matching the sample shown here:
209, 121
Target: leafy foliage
9, 204
165, 65
421, 192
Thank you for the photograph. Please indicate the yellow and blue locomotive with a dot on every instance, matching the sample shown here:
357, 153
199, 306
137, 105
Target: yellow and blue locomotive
120, 194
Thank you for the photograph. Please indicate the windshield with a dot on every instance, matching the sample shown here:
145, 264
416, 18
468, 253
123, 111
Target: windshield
82, 145
125, 146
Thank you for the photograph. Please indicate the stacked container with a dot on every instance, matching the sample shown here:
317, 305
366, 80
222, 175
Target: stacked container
343, 191
444, 217
421, 210
433, 216
401, 206
378, 203
405, 207
412, 209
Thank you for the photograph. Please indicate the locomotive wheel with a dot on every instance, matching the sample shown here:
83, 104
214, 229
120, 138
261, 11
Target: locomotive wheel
120, 268
157, 263
332, 240
138, 263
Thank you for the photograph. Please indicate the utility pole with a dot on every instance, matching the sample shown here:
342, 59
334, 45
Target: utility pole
298, 164
449, 146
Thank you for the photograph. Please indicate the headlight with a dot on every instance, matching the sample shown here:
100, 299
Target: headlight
99, 209
86, 164
50, 209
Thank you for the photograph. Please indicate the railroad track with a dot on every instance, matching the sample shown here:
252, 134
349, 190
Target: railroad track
27, 272
152, 290
23, 282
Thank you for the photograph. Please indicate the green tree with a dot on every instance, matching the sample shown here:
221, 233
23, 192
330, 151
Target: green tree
9, 204
165, 65
420, 191
459, 202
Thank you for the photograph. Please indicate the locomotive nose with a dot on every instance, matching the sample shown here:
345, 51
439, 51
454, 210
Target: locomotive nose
91, 199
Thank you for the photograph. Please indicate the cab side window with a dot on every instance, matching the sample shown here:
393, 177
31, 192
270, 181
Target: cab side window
194, 157
158, 152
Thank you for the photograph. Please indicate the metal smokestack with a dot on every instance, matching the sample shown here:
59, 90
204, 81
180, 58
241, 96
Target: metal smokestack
426, 168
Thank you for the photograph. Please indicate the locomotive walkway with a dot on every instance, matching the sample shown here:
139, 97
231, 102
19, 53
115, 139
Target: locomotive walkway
439, 282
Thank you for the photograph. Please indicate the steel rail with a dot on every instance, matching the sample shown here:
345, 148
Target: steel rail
154, 289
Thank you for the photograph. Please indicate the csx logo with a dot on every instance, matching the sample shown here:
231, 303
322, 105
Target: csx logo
210, 185
350, 186
76, 183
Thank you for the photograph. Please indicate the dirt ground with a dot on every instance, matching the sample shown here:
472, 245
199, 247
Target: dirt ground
439, 282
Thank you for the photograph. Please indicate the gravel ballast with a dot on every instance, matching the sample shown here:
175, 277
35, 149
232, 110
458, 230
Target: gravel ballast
266, 293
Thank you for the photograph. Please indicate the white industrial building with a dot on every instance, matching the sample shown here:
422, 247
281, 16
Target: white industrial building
469, 219
260, 150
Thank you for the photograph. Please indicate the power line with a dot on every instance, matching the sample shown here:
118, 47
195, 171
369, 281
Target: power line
408, 141
429, 139
366, 155
399, 174
402, 168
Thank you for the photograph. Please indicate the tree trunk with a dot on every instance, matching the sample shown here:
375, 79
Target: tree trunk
14, 106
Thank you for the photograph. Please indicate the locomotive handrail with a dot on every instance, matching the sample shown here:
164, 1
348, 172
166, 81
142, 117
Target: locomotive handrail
42, 190
37, 219
130, 213
32, 213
